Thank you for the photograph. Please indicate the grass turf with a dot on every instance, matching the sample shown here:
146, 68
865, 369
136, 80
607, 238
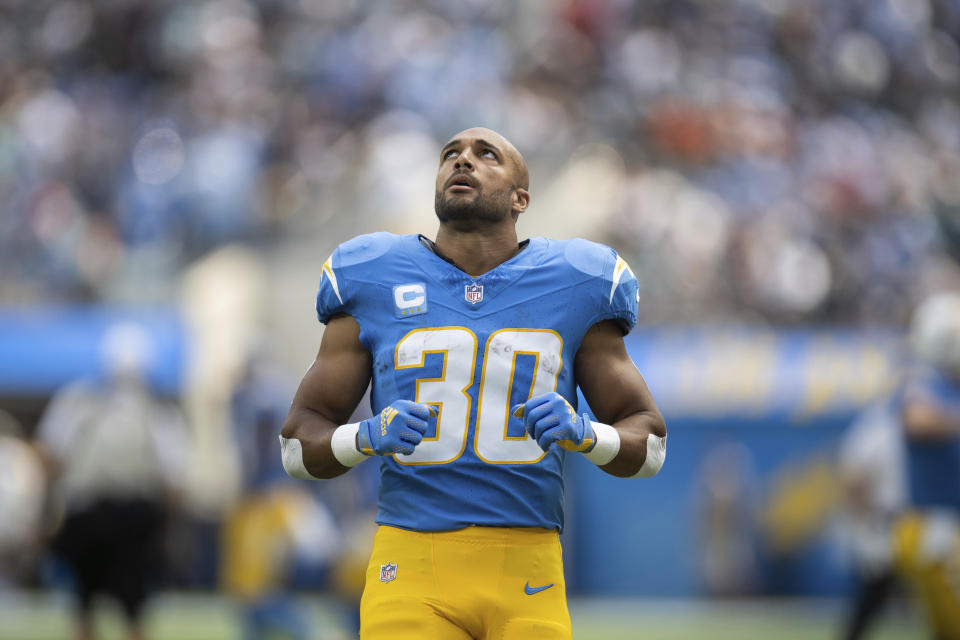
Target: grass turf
44, 616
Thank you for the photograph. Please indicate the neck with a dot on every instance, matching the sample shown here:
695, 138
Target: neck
477, 252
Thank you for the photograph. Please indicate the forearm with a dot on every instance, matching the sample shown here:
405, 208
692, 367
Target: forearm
934, 430
926, 422
313, 434
314, 441
634, 457
631, 434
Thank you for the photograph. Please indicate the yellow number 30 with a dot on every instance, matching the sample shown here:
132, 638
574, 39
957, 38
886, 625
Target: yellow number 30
450, 393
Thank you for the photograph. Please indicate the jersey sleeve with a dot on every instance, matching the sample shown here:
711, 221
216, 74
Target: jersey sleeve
623, 297
330, 296
612, 288
346, 275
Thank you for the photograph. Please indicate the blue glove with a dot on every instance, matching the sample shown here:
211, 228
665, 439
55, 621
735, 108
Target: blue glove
397, 429
549, 419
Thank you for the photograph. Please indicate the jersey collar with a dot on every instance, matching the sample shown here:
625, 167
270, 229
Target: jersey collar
432, 246
495, 281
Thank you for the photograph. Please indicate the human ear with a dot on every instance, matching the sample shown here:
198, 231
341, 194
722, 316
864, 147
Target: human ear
521, 200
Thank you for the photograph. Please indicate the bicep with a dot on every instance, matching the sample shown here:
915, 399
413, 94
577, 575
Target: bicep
336, 381
610, 381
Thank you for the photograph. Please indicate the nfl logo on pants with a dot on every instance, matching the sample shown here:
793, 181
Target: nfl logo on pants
388, 572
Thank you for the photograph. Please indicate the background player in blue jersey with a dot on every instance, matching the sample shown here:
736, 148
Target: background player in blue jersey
928, 535
474, 345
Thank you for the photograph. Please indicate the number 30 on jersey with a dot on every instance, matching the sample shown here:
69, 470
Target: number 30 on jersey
450, 393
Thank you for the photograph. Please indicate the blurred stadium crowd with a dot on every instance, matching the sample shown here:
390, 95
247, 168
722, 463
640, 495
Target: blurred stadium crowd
759, 160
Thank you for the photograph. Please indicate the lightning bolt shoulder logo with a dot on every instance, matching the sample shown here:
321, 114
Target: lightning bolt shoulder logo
618, 270
327, 272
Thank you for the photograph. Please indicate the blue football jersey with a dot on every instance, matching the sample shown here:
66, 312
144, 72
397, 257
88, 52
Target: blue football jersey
933, 466
474, 347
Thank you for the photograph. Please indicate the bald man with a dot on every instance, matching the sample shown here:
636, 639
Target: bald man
475, 345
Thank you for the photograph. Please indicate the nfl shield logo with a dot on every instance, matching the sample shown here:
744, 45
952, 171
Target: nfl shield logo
473, 293
388, 572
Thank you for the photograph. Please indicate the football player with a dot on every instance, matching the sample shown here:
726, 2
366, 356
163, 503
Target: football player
475, 344
871, 464
928, 535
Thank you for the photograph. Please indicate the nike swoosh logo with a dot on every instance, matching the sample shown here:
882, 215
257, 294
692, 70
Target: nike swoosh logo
527, 589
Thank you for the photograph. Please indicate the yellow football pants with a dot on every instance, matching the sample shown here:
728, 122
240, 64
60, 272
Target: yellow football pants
479, 582
935, 577
254, 533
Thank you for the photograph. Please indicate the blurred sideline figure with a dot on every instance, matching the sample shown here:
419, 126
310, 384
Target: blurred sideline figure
729, 531
277, 524
870, 462
114, 454
22, 487
927, 545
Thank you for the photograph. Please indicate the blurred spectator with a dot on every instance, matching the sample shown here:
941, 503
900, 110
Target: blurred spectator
22, 487
798, 509
927, 535
729, 534
871, 467
276, 525
789, 161
116, 456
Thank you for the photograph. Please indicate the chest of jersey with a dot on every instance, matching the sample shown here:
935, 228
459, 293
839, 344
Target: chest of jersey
934, 465
473, 348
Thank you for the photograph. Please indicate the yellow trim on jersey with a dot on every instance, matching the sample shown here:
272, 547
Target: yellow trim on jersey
328, 269
513, 369
618, 271
464, 391
483, 378
416, 391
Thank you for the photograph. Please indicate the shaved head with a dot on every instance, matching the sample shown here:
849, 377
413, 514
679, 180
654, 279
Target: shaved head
519, 165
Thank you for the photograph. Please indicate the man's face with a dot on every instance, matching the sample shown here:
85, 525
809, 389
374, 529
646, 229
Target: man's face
480, 180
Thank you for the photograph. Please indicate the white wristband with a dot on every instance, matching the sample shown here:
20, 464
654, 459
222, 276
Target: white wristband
607, 444
344, 445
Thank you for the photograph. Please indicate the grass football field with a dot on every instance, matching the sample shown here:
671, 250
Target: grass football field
43, 616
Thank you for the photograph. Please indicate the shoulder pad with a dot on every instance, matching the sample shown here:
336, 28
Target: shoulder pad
333, 295
616, 288
587, 257
365, 248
